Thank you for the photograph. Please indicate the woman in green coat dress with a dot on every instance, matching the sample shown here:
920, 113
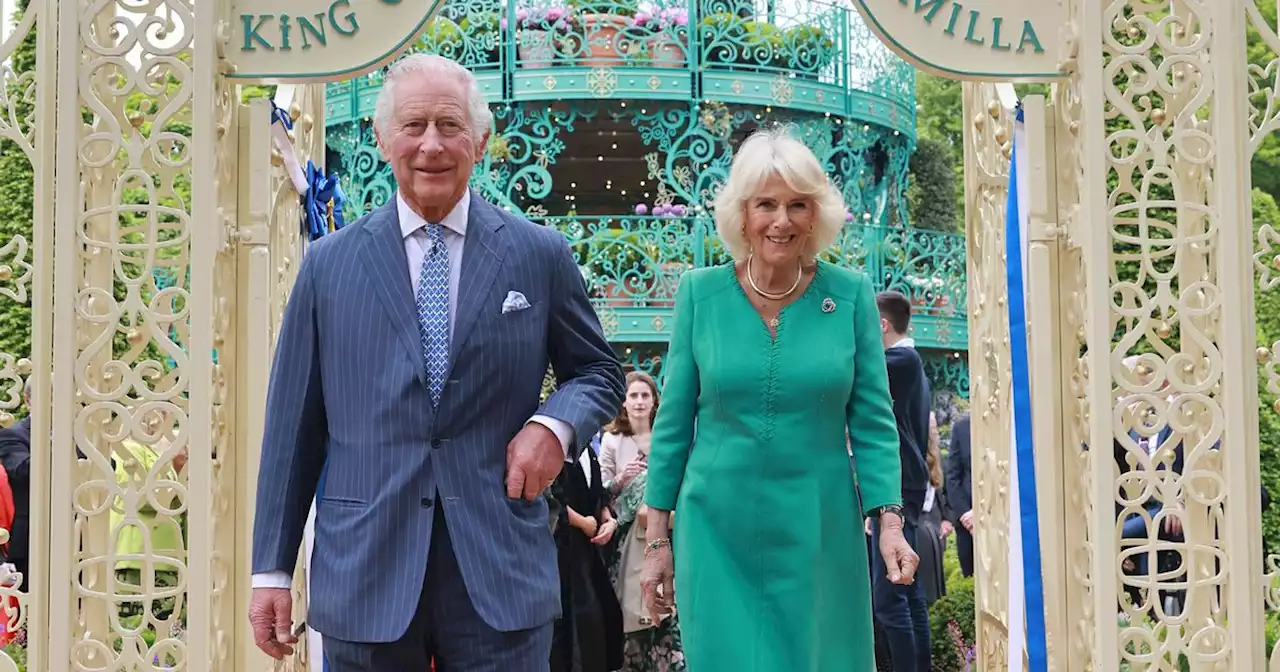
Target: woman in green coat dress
774, 360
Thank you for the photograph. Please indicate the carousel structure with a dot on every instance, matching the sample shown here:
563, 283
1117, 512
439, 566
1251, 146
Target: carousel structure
615, 120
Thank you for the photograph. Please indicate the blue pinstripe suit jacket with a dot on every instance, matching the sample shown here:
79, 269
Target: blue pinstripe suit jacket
348, 387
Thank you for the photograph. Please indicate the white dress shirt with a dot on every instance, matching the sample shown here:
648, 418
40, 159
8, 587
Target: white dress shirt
416, 246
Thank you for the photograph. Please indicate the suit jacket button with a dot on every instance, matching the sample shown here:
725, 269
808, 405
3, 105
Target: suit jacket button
436, 443
428, 502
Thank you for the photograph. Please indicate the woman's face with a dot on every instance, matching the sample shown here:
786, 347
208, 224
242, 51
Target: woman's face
778, 223
639, 402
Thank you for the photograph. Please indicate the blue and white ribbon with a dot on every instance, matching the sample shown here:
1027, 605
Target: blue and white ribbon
1026, 584
322, 203
279, 115
321, 194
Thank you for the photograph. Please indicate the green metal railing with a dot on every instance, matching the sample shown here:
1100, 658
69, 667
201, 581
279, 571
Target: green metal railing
798, 54
634, 263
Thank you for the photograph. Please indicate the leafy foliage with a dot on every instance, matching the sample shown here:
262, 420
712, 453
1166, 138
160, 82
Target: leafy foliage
958, 606
1267, 314
933, 186
940, 118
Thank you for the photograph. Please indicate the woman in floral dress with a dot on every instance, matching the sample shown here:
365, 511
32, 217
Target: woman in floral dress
624, 452
647, 647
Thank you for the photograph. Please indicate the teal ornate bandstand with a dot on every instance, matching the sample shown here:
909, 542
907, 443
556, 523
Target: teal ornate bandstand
615, 122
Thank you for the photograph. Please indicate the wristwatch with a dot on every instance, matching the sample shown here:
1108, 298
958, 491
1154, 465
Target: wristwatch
895, 509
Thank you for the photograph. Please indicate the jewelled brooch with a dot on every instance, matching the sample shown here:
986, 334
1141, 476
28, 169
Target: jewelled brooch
828, 306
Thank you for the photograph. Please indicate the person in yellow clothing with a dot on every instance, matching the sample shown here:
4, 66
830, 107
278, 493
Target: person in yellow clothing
141, 567
773, 358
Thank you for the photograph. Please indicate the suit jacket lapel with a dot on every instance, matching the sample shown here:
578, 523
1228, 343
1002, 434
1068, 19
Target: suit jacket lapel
482, 256
386, 263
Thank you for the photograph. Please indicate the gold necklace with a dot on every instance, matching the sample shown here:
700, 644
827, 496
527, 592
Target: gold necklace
774, 297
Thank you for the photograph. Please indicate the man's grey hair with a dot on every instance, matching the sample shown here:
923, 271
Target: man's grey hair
479, 117
26, 387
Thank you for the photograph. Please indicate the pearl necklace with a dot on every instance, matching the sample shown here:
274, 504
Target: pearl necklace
751, 280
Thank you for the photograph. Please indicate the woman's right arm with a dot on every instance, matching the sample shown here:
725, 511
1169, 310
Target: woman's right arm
608, 458
673, 429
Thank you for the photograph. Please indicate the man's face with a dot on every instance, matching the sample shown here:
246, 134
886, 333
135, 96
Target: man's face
430, 143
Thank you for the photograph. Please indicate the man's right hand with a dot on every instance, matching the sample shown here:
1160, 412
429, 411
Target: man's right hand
271, 616
967, 520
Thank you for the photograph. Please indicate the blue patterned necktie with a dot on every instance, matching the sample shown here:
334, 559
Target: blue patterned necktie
433, 310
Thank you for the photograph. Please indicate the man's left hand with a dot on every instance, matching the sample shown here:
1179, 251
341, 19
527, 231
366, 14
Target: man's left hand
534, 459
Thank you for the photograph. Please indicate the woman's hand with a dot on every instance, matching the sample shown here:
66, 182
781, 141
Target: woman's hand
657, 581
628, 473
605, 532
900, 560
945, 530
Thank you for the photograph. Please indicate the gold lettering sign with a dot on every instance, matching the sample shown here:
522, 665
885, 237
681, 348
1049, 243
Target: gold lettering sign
1017, 40
321, 40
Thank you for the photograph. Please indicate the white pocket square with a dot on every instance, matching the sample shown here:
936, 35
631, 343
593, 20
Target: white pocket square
514, 301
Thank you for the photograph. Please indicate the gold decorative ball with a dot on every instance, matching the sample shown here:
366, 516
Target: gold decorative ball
979, 121
295, 111
1074, 127
6, 419
1277, 406
1263, 353
6, 273
1001, 135
135, 336
1158, 115
1164, 330
24, 366
993, 109
1134, 32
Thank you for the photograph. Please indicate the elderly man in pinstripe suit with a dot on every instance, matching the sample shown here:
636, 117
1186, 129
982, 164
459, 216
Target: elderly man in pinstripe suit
405, 399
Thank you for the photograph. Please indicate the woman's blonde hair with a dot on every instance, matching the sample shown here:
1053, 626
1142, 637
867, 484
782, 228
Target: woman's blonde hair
933, 456
775, 153
621, 424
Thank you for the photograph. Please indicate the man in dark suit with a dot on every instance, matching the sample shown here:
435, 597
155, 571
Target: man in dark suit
15, 457
960, 491
404, 399
900, 610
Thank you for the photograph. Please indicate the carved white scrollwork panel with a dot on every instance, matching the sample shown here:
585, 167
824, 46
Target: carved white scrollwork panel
1072, 282
132, 329
1165, 309
988, 137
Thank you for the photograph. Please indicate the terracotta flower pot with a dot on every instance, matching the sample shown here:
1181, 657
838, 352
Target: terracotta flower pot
536, 49
667, 53
602, 42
